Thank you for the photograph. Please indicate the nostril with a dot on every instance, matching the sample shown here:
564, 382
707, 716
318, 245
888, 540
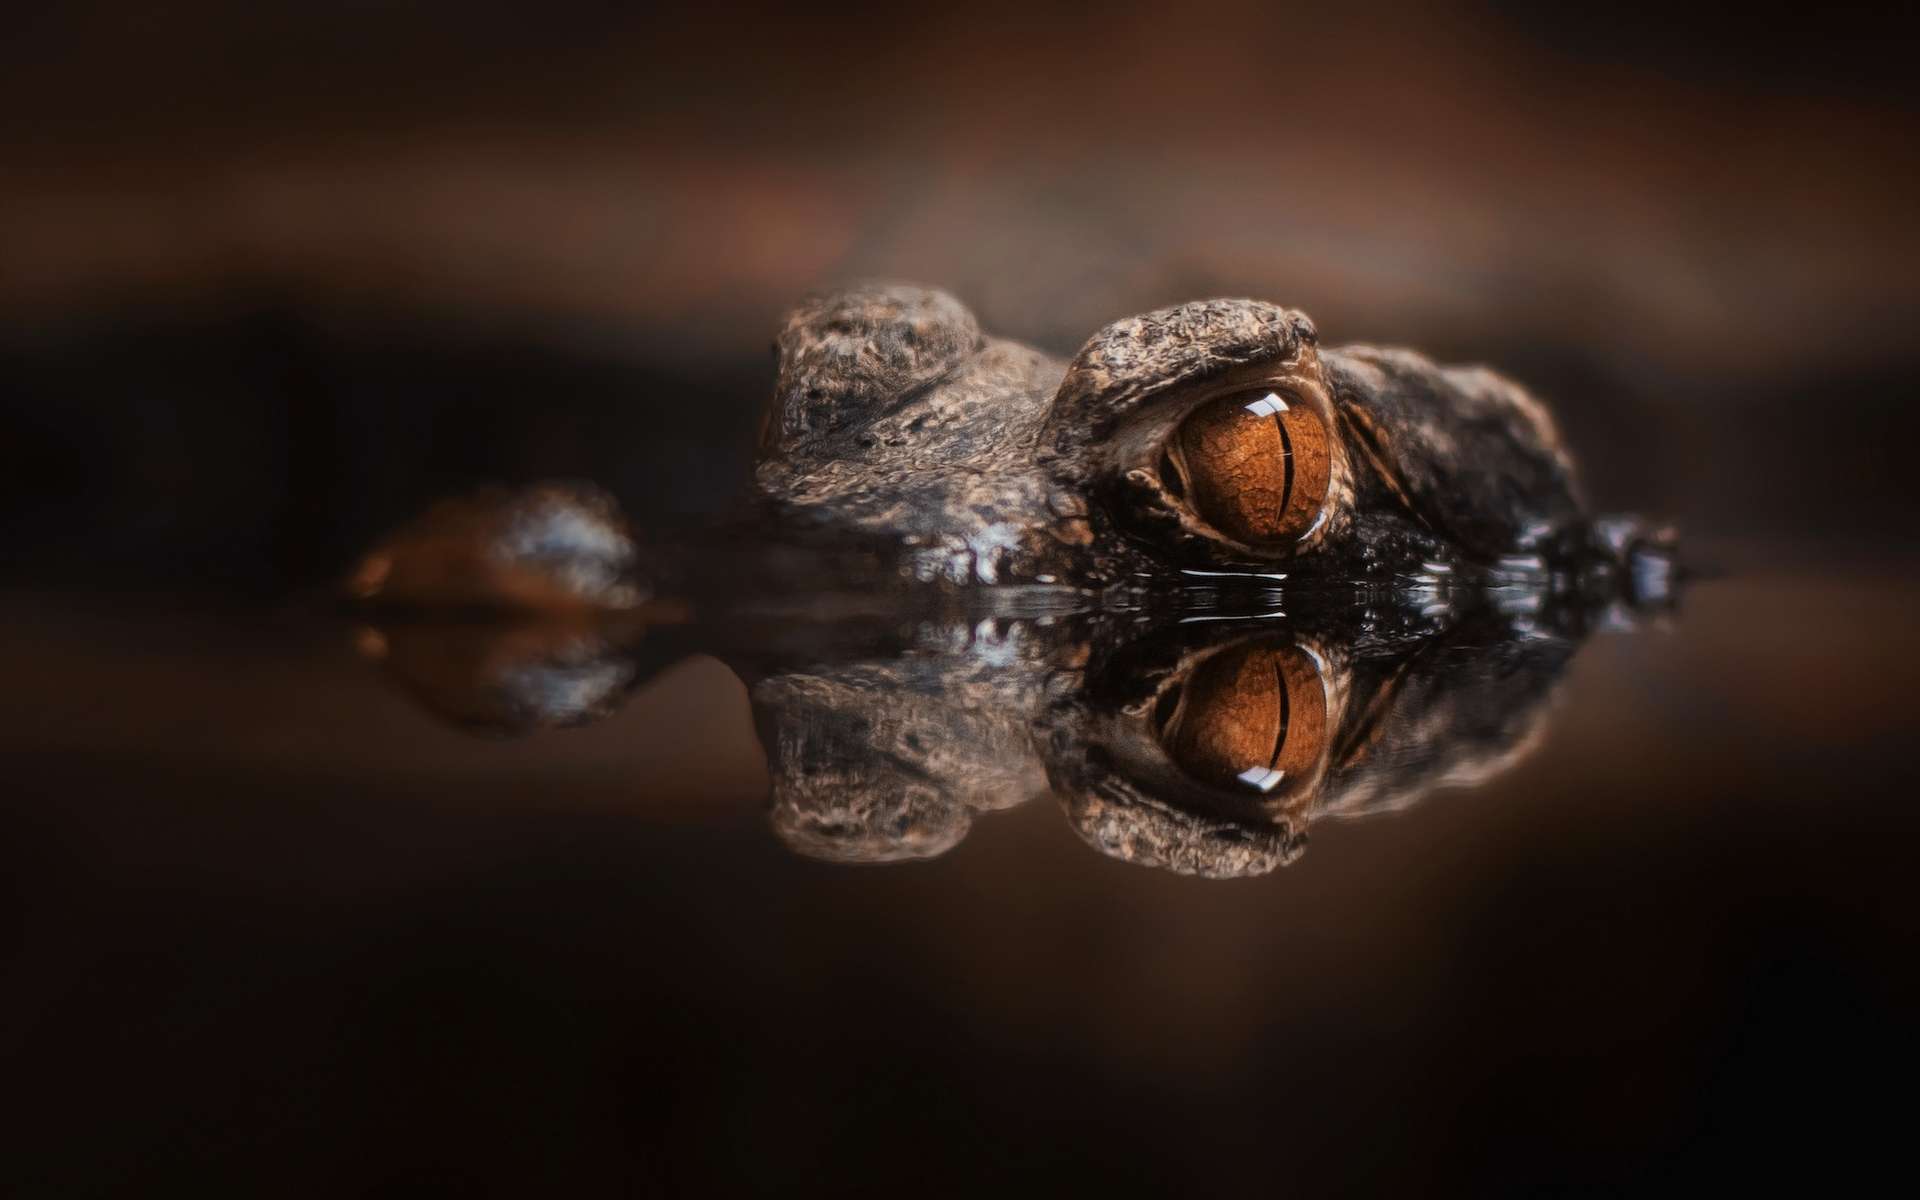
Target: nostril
1170, 476
1164, 708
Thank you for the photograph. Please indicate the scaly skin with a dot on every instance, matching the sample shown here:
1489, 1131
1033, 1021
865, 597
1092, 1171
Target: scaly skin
896, 422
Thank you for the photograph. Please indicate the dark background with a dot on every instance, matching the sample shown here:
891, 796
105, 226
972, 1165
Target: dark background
272, 278
276, 276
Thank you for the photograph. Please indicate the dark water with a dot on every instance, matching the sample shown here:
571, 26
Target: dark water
1576, 907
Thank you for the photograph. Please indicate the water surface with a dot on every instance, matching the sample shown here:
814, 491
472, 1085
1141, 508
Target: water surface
273, 917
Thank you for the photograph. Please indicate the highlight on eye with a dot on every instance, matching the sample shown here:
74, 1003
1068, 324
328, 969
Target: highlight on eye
1255, 465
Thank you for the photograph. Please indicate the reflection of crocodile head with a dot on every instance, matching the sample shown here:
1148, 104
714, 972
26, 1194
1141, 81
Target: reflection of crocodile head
1204, 747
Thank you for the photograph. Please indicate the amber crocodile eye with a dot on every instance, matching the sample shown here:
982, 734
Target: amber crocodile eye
1254, 465
1249, 717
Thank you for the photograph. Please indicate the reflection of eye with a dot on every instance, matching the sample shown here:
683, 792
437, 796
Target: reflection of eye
1254, 465
1250, 717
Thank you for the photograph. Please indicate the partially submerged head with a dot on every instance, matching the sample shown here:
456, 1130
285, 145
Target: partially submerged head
1211, 435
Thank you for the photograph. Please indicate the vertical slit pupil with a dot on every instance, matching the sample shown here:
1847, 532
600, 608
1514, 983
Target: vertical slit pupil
1286, 457
1286, 708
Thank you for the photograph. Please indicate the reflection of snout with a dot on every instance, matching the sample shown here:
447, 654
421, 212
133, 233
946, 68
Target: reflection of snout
866, 768
869, 818
505, 678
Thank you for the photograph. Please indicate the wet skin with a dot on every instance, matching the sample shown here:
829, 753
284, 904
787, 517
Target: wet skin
1214, 436
905, 449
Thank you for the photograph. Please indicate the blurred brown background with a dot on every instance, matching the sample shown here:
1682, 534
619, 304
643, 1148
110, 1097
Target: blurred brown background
275, 275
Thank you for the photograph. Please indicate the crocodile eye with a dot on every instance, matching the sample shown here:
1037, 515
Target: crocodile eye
1249, 717
1255, 466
